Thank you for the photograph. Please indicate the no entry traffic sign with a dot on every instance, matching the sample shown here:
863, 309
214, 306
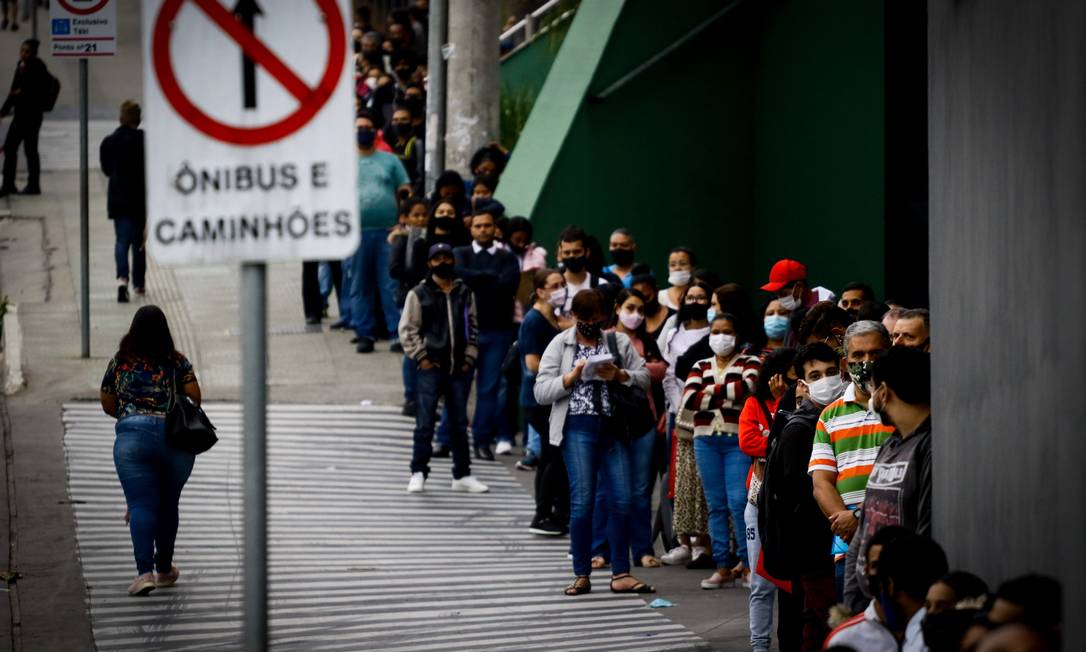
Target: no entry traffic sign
250, 134
310, 100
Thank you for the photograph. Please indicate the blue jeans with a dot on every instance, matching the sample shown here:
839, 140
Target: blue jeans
640, 452
324, 281
152, 474
344, 297
535, 443
129, 235
589, 455
410, 378
761, 589
723, 469
432, 384
370, 283
489, 423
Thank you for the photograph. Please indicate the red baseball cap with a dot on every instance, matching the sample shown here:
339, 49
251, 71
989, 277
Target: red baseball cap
784, 272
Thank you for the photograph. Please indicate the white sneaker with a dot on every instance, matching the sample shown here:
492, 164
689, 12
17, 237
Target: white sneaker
677, 556
418, 481
469, 484
503, 448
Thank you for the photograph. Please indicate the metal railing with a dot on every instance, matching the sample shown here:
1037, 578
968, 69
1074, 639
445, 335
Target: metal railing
534, 24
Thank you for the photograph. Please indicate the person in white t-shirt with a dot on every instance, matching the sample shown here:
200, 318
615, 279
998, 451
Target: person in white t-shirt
573, 261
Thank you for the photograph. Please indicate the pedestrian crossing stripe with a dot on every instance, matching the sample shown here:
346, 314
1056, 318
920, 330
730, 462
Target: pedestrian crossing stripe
355, 562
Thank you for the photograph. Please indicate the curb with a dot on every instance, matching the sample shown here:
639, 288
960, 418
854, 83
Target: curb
12, 345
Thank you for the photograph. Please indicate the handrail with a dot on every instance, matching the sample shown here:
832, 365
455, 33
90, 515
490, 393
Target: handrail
527, 29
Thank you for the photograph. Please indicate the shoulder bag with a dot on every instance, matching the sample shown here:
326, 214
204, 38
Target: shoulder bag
631, 417
187, 426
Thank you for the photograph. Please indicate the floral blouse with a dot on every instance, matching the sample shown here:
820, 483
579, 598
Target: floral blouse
143, 387
582, 399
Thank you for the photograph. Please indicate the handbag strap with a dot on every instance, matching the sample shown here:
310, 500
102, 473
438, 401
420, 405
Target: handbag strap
612, 347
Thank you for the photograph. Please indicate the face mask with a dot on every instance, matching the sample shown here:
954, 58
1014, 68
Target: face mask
710, 314
860, 372
557, 297
789, 302
874, 409
722, 343
652, 306
825, 390
443, 270
631, 320
366, 136
776, 327
588, 331
575, 264
694, 311
403, 130
622, 257
446, 224
679, 278
371, 82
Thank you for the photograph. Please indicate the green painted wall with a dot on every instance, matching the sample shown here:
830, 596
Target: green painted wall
767, 125
523, 73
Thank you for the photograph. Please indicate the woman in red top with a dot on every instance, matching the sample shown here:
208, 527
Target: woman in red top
755, 422
629, 319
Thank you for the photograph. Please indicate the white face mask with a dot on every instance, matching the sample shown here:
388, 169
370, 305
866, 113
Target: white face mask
788, 302
722, 343
826, 390
631, 320
679, 278
557, 297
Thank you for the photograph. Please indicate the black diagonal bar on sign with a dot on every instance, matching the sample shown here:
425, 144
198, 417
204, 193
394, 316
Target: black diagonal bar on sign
246, 12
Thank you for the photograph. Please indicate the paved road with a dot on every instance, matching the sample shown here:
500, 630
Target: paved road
356, 563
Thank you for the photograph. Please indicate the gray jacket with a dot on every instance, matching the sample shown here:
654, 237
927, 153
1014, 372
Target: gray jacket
557, 360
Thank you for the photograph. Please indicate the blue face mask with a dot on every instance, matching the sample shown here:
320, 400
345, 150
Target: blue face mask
776, 327
710, 315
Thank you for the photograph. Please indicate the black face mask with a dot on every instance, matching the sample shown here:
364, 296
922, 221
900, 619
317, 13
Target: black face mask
622, 257
588, 331
443, 270
652, 306
575, 264
446, 224
694, 311
403, 129
366, 137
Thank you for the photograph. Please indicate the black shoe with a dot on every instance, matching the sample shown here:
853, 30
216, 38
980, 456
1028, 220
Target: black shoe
365, 345
122, 294
409, 409
484, 453
30, 191
340, 325
704, 561
547, 527
396, 347
441, 451
313, 319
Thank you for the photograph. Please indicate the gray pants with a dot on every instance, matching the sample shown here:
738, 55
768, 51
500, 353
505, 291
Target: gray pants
762, 590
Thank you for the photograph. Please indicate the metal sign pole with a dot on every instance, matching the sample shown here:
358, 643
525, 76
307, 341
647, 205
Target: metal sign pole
33, 17
84, 222
254, 396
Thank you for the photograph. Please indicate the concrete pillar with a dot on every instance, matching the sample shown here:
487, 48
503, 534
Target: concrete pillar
1007, 159
473, 89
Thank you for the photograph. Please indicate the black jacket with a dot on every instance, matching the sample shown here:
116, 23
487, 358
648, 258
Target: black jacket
796, 535
494, 279
32, 81
440, 327
121, 157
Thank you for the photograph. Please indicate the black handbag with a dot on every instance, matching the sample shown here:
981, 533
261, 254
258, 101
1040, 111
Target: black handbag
631, 416
187, 426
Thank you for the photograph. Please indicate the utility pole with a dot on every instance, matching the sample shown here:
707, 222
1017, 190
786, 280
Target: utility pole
435, 92
473, 89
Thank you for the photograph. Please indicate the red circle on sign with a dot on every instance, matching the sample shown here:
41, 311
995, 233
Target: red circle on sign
82, 11
309, 106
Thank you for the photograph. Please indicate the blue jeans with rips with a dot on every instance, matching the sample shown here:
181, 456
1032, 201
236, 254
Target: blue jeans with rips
370, 283
430, 385
640, 452
723, 469
592, 456
152, 474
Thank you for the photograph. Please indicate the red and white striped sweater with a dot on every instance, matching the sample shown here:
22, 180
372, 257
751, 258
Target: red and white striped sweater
720, 402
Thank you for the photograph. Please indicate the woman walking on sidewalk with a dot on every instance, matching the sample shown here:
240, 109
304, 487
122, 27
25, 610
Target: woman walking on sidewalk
137, 389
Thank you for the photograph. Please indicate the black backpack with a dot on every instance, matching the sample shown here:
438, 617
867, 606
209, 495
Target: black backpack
52, 92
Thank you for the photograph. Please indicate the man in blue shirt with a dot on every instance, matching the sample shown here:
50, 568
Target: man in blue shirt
380, 177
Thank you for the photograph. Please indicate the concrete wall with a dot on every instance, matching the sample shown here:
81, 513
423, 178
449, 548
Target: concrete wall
1008, 287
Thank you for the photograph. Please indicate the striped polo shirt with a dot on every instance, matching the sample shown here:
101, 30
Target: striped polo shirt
846, 442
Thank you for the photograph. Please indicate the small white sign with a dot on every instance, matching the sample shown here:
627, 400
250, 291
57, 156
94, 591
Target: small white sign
83, 28
250, 146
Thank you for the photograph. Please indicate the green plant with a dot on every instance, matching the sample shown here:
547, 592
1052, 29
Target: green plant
516, 106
